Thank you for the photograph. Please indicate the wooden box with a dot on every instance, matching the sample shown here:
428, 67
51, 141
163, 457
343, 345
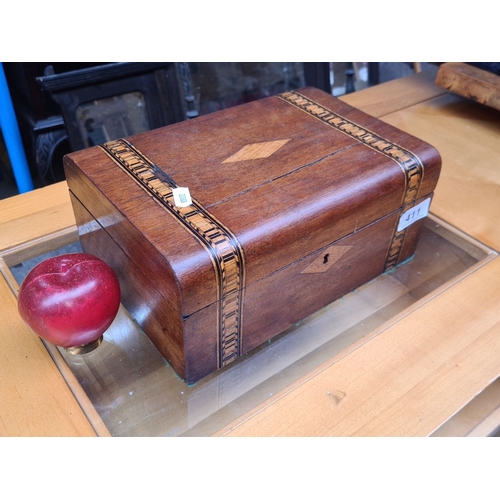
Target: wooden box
297, 199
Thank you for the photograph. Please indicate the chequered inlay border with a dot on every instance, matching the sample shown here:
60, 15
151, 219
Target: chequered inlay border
409, 162
225, 252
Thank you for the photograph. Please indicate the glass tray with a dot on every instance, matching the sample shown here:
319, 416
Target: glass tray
136, 392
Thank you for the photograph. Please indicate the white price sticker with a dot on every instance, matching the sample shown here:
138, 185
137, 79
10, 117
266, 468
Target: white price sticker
414, 214
182, 198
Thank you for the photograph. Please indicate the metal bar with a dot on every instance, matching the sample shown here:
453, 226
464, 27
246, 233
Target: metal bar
12, 138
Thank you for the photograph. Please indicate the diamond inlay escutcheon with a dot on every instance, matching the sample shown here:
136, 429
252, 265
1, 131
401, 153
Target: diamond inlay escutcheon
326, 260
256, 150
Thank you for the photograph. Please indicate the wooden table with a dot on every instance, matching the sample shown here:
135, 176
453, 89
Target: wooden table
434, 367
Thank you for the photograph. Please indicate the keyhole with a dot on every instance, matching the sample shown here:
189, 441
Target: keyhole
325, 258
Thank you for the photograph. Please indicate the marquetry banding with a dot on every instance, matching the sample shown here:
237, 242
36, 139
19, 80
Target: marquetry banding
410, 163
226, 253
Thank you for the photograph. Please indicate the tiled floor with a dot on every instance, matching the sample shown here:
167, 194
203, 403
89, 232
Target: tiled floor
387, 71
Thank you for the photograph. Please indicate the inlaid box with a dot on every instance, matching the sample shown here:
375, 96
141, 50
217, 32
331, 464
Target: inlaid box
292, 201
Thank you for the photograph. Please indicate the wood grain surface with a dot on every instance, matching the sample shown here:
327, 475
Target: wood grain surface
466, 135
395, 95
470, 82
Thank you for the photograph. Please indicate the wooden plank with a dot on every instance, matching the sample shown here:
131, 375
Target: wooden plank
470, 82
395, 95
35, 399
406, 381
466, 135
430, 400
39, 213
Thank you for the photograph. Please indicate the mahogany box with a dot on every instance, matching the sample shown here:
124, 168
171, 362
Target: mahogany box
296, 200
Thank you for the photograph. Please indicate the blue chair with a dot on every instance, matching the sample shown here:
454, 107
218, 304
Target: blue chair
12, 138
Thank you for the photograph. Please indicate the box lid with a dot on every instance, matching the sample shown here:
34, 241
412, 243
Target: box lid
271, 182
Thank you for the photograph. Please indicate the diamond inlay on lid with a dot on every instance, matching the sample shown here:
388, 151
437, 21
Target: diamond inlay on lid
256, 150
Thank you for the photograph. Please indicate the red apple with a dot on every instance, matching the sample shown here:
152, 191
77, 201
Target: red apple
70, 300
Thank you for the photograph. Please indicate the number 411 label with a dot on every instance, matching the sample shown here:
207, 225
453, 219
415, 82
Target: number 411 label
414, 214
